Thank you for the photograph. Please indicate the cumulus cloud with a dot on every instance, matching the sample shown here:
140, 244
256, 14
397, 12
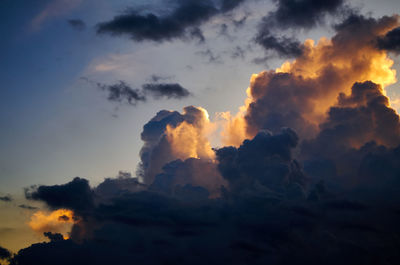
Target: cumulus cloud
180, 23
299, 93
265, 161
171, 135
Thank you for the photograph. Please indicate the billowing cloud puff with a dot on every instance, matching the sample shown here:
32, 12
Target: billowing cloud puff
299, 93
265, 161
170, 136
361, 117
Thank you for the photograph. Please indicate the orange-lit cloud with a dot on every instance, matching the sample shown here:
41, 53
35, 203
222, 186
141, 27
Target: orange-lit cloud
190, 139
300, 92
59, 221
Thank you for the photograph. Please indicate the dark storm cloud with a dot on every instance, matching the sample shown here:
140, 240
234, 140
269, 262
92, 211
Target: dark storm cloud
265, 161
123, 183
122, 92
262, 217
391, 41
167, 90
75, 195
182, 22
77, 24
239, 228
189, 180
6, 198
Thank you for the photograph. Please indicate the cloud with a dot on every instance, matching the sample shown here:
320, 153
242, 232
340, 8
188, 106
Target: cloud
171, 135
359, 118
59, 196
299, 93
293, 14
284, 46
6, 198
303, 13
265, 161
160, 90
391, 41
309, 173
191, 179
77, 24
58, 221
121, 92
182, 22
358, 140
259, 227
54, 237
4, 253
27, 207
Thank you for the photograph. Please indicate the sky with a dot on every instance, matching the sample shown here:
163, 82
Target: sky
84, 83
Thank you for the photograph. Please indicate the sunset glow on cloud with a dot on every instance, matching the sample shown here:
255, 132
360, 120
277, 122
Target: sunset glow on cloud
242, 131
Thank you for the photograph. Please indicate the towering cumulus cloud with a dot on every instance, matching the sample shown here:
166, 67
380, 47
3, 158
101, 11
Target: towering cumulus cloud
299, 93
309, 173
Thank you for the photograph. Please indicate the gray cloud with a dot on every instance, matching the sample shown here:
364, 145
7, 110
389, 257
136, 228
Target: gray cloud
167, 90
182, 22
